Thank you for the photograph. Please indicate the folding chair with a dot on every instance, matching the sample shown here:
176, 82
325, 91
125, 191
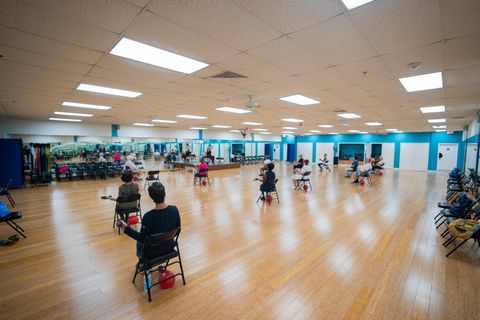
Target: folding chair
145, 263
201, 175
304, 180
273, 193
464, 237
367, 177
9, 219
4, 191
126, 205
152, 176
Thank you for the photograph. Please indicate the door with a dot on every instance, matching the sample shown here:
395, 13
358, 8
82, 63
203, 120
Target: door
447, 156
305, 149
414, 156
471, 158
249, 149
388, 154
224, 151
291, 152
285, 152
260, 149
276, 151
268, 150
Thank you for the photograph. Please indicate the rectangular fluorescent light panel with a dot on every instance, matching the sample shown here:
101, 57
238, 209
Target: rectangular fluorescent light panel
221, 126
333, 133
235, 130
190, 116
252, 123
141, 52
164, 121
64, 119
107, 90
259, 129
437, 120
264, 132
325, 126
352, 4
422, 82
363, 132
439, 127
292, 120
314, 131
198, 128
353, 131
373, 124
299, 99
143, 124
85, 105
73, 114
288, 132
432, 109
290, 128
233, 110
349, 115
440, 130
399, 131
391, 130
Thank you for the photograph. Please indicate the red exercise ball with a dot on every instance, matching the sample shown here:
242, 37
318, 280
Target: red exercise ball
362, 182
204, 182
269, 198
380, 173
305, 187
165, 284
132, 220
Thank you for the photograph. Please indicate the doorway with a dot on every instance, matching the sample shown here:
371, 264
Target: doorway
447, 156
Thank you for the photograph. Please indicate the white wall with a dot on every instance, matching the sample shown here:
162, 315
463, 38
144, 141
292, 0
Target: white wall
472, 128
42, 128
388, 154
223, 135
471, 158
285, 151
276, 151
261, 149
414, 156
305, 149
249, 149
325, 147
224, 151
27, 138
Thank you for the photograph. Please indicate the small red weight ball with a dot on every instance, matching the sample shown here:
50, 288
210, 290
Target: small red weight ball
165, 284
132, 220
362, 182
380, 173
269, 198
204, 182
305, 187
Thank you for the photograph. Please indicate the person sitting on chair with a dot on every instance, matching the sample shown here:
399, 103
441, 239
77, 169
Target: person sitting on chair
352, 169
130, 165
323, 163
299, 164
117, 157
101, 158
379, 164
161, 218
299, 175
128, 188
202, 169
363, 171
268, 182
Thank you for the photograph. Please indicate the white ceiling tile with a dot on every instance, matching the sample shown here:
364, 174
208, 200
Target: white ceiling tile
336, 41
369, 70
295, 84
286, 55
464, 76
462, 52
462, 17
94, 12
326, 78
250, 66
11, 66
49, 24
392, 25
349, 92
288, 16
222, 20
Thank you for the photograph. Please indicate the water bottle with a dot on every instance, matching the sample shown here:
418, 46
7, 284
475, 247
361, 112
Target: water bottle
149, 277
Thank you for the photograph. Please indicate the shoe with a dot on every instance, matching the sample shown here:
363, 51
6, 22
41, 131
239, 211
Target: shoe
262, 198
355, 181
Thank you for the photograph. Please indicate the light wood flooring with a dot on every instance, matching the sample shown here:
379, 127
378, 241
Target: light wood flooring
341, 251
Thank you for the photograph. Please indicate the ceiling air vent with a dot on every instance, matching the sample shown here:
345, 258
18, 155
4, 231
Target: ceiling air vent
228, 75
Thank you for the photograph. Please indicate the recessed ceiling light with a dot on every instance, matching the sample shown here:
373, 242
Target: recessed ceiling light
221, 126
354, 131
391, 130
74, 114
260, 129
333, 133
314, 131
439, 127
432, 109
399, 131
349, 115
373, 124
164, 121
106, 90
252, 123
236, 131
440, 130
422, 82
138, 51
325, 126
288, 132
198, 128
85, 105
290, 128
437, 120
363, 132
264, 132
190, 116
299, 99
64, 119
352, 4
233, 110
292, 120
143, 124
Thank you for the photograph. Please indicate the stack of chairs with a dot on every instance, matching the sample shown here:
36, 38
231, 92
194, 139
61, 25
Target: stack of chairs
462, 205
82, 170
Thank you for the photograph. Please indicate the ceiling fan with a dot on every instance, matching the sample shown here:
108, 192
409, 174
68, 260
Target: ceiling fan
251, 104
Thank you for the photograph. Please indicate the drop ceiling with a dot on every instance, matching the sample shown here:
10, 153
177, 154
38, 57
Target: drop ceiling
347, 60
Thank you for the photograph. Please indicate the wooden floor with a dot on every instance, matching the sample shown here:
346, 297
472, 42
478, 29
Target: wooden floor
341, 251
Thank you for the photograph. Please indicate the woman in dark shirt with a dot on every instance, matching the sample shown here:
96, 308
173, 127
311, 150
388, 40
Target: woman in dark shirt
161, 219
268, 183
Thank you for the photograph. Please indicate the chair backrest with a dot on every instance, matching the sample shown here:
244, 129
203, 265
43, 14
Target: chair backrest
153, 172
158, 239
130, 198
307, 173
203, 170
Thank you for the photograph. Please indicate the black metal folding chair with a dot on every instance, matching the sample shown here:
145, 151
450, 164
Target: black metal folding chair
201, 175
145, 264
152, 176
304, 180
273, 193
9, 219
4, 191
126, 205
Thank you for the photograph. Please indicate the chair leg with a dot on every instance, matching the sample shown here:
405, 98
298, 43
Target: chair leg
10, 199
276, 194
145, 273
137, 266
456, 247
208, 180
181, 265
16, 227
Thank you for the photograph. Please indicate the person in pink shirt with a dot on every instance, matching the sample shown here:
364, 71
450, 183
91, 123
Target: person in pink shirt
117, 157
202, 170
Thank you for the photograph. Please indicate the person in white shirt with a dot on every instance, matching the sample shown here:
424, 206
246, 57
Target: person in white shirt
363, 171
379, 165
130, 165
101, 158
323, 163
301, 173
